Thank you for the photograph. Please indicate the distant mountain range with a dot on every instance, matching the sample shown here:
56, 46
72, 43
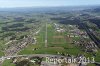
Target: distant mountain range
48, 9
96, 10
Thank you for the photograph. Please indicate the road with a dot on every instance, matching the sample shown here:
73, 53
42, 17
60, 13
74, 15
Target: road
33, 55
44, 63
46, 36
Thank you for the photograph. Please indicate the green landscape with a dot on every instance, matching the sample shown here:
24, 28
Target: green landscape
27, 37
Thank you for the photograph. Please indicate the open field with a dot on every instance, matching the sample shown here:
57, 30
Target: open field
49, 32
56, 42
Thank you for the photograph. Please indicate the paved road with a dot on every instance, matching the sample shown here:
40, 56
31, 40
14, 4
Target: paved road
33, 55
46, 36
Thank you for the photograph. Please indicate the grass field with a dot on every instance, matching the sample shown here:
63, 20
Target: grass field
56, 42
8, 63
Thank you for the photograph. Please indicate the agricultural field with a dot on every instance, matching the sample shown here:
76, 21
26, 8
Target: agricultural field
68, 34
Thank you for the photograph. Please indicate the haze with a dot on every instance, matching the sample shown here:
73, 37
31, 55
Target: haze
46, 3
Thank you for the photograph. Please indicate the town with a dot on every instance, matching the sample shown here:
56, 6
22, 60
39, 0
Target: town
27, 38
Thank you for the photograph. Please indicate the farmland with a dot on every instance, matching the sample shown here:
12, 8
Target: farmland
68, 34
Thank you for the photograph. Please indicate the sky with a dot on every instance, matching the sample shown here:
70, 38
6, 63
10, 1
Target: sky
46, 3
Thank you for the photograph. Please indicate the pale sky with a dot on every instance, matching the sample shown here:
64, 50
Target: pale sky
45, 3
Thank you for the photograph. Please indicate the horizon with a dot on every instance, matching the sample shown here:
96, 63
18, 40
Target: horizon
45, 3
50, 6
